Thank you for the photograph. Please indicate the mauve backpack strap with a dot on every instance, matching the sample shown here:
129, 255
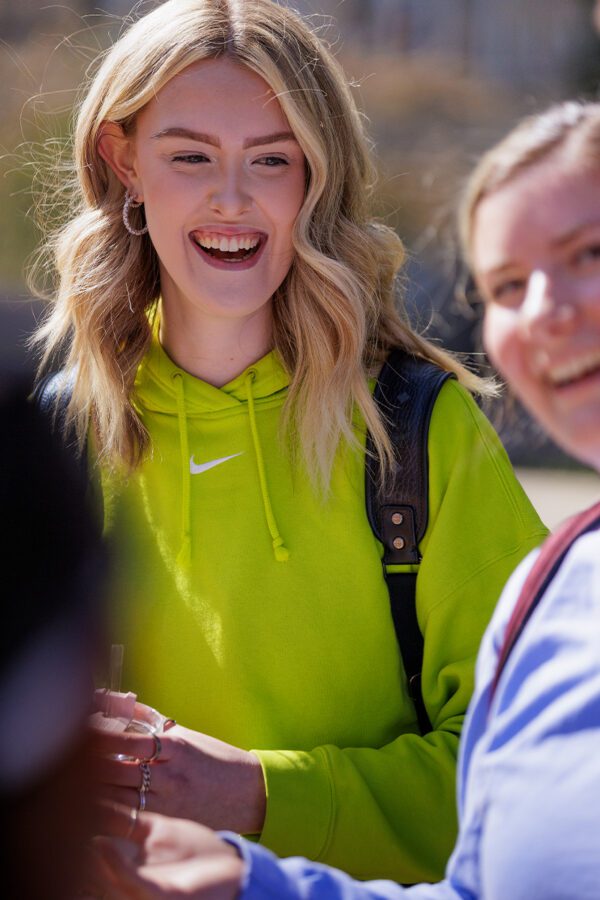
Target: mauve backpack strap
547, 564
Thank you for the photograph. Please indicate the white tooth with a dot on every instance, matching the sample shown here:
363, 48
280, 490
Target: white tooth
226, 245
574, 369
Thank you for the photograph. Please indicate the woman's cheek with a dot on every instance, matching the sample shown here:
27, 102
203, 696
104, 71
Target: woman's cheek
501, 339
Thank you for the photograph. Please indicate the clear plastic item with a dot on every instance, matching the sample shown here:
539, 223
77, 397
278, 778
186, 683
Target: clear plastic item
117, 712
114, 711
146, 720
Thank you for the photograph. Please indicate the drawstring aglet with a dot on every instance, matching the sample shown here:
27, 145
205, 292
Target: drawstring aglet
282, 554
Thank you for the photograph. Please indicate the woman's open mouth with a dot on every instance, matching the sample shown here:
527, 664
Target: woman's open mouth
229, 250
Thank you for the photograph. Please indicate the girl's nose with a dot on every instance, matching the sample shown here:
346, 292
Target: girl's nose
230, 198
546, 309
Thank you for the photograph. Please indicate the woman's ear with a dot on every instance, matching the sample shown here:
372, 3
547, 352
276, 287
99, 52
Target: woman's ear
117, 151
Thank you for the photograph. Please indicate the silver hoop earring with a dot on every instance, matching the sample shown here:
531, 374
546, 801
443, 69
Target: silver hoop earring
132, 203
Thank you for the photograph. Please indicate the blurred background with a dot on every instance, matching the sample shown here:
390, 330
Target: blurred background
438, 80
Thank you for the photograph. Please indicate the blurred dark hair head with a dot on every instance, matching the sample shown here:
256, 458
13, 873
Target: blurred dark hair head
53, 570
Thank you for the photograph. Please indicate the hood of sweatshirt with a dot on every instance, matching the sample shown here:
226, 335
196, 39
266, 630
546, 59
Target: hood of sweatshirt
159, 383
163, 387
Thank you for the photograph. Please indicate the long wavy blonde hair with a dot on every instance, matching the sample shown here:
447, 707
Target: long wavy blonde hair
338, 317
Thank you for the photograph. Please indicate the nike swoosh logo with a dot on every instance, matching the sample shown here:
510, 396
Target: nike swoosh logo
196, 468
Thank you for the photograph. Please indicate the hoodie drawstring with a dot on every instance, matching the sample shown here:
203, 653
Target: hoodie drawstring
280, 551
183, 557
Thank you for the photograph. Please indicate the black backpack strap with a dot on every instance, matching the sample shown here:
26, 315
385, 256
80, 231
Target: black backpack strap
405, 393
544, 569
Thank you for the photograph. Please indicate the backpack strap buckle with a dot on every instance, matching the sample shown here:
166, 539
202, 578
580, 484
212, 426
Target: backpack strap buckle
399, 535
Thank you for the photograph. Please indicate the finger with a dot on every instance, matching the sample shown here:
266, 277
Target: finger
121, 821
125, 797
120, 871
110, 868
124, 773
136, 746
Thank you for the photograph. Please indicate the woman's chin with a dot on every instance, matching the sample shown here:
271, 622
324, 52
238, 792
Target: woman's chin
583, 444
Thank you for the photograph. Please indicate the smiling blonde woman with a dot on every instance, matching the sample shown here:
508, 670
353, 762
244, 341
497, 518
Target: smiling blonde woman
224, 301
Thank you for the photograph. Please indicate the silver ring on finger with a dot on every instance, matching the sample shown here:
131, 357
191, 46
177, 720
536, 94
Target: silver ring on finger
157, 749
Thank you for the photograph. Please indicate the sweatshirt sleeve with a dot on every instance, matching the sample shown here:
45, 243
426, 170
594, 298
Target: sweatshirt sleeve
269, 878
391, 811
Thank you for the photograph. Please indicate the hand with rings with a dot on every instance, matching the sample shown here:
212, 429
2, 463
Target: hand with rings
142, 762
185, 774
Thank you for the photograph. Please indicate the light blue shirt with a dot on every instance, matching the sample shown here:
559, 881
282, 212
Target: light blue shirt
529, 765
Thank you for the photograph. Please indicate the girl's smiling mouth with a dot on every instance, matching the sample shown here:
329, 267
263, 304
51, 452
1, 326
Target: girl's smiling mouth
229, 250
574, 371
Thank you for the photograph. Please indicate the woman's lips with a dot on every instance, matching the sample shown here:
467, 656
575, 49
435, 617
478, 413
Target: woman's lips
575, 369
233, 251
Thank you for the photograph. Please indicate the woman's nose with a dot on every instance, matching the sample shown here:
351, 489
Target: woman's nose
229, 197
548, 307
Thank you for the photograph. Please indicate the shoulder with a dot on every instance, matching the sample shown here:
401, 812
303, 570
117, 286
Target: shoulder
456, 415
481, 522
570, 607
555, 665
543, 738
467, 459
569, 611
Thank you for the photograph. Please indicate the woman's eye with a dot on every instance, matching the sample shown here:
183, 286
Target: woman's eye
508, 293
272, 161
591, 253
191, 158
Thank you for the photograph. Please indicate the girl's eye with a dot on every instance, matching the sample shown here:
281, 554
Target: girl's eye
591, 253
191, 158
508, 293
272, 161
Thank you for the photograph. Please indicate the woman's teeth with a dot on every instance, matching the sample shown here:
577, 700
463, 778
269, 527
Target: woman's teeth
577, 368
224, 244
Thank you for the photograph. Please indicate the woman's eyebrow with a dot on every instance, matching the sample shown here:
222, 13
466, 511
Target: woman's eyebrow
203, 138
274, 138
577, 232
496, 269
198, 136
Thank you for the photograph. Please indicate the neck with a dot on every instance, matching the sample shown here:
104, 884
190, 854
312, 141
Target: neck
215, 350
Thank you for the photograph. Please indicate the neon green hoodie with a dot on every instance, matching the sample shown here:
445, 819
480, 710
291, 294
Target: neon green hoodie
257, 612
